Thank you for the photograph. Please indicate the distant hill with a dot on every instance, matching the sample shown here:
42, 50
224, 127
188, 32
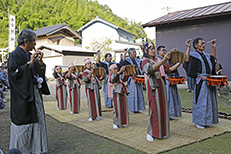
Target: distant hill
34, 14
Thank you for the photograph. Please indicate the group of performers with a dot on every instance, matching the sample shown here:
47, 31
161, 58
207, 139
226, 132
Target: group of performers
163, 98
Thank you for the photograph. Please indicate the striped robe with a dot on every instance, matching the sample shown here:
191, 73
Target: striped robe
108, 100
92, 87
120, 101
205, 109
21, 137
136, 96
158, 119
74, 91
173, 97
61, 91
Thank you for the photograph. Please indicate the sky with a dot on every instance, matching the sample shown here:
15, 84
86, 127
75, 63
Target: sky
147, 10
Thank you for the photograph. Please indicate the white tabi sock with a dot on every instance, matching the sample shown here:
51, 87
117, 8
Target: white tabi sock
150, 138
201, 127
115, 126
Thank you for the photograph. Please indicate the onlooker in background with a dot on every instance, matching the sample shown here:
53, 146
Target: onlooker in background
2, 95
218, 69
6, 64
93, 65
4, 78
2, 68
2, 106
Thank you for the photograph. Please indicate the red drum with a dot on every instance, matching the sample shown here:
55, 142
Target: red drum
216, 80
176, 80
139, 79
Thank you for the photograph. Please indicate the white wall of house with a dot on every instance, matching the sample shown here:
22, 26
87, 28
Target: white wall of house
98, 30
120, 39
50, 64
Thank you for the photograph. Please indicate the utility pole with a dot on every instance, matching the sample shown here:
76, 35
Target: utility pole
167, 8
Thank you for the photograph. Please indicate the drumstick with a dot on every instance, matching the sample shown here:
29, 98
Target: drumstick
213, 40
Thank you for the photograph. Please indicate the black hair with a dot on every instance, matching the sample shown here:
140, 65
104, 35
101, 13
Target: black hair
146, 47
130, 50
196, 41
159, 47
26, 34
107, 55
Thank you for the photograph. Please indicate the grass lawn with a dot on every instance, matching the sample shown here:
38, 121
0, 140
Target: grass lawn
216, 145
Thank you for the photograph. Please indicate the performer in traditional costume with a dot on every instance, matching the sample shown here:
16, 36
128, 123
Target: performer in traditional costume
173, 97
158, 119
198, 65
93, 86
74, 88
61, 88
136, 96
119, 96
106, 64
26, 74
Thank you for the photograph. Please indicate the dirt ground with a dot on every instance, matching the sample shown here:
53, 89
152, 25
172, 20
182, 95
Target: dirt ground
64, 138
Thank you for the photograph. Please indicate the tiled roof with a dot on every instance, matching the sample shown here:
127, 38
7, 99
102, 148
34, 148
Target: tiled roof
54, 28
191, 14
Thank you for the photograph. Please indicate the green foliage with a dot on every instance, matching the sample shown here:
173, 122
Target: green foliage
103, 45
34, 14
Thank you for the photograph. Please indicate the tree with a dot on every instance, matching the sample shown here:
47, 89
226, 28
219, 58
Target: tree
103, 45
41, 13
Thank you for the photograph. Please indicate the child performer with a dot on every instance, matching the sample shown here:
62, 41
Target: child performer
74, 89
92, 85
61, 88
158, 119
120, 100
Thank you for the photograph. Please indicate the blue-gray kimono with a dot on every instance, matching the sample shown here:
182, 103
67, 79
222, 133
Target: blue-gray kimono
108, 100
174, 103
205, 111
136, 96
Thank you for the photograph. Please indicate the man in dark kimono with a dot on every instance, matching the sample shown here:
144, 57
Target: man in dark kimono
198, 65
26, 74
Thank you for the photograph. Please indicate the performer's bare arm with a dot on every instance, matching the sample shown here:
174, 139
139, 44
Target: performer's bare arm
121, 70
166, 57
98, 57
90, 74
174, 67
213, 45
125, 52
188, 44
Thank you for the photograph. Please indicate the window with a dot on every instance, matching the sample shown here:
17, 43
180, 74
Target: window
58, 41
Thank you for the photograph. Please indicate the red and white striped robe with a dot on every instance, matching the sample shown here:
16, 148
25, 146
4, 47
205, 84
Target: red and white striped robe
93, 96
74, 91
158, 119
61, 91
120, 100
